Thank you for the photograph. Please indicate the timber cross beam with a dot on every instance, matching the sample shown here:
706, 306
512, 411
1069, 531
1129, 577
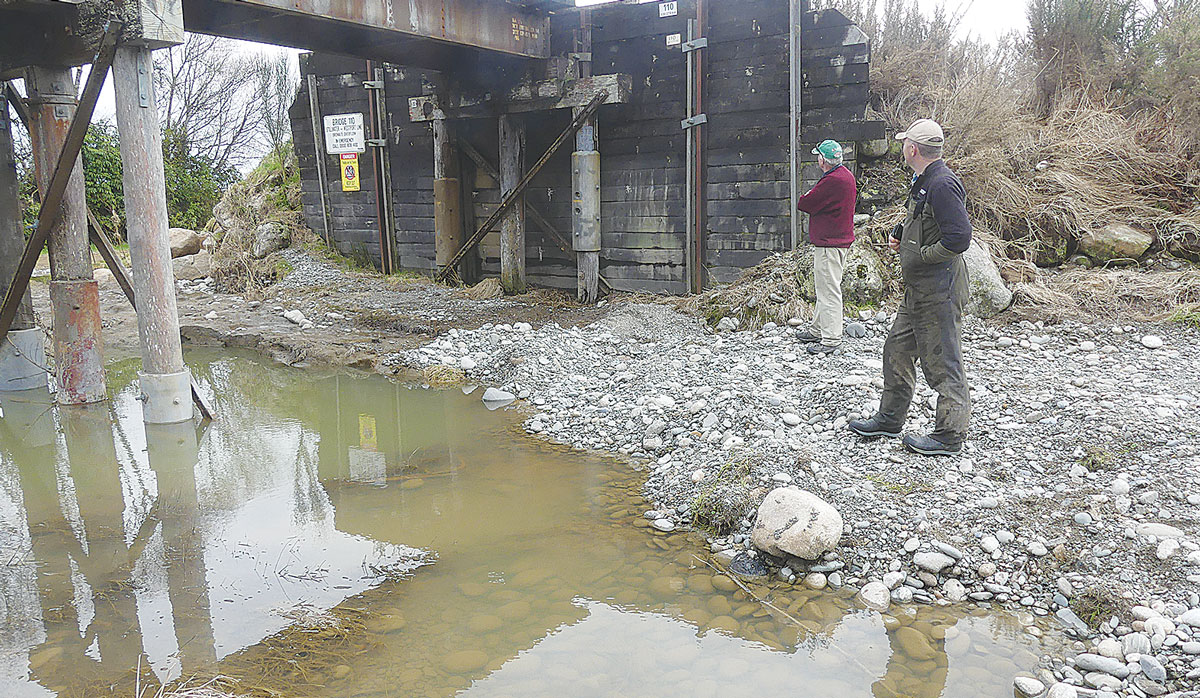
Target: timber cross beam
519, 190
528, 97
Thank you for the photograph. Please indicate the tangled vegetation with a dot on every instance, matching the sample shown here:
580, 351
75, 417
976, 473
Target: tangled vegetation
724, 498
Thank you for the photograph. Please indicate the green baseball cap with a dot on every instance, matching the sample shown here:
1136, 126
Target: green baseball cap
832, 150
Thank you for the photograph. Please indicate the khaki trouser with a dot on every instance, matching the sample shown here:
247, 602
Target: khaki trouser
828, 263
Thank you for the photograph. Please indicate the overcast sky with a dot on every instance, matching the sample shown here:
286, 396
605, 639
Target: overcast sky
987, 19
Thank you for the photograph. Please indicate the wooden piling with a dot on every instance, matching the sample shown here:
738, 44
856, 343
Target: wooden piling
585, 170
164, 379
74, 297
447, 195
512, 227
12, 236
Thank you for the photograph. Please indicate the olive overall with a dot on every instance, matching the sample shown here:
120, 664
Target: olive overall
928, 327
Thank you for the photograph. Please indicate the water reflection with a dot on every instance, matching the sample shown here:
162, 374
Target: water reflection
188, 553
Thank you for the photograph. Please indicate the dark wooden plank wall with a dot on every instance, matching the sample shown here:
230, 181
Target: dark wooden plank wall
642, 144
747, 99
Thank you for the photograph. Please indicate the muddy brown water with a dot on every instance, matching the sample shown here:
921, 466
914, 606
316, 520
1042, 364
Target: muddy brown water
338, 535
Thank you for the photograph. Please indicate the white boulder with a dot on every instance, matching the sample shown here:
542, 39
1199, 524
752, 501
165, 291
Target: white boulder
796, 522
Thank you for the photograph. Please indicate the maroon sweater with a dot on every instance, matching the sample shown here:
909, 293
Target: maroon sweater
830, 206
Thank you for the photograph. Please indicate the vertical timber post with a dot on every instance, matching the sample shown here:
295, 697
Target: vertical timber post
796, 11
165, 381
314, 110
23, 353
697, 217
512, 227
447, 194
74, 294
585, 184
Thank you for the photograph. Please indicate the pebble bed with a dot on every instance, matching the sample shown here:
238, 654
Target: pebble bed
1078, 493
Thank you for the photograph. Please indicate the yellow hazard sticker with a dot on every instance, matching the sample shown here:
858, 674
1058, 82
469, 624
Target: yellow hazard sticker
350, 178
368, 438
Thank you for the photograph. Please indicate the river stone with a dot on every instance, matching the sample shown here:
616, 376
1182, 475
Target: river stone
863, 277
1160, 530
1152, 668
664, 525
954, 590
1099, 679
269, 237
875, 595
723, 583
914, 644
485, 624
796, 522
1149, 686
192, 267
495, 395
1191, 618
726, 623
1108, 665
988, 296
1135, 643
748, 567
184, 242
1028, 686
1062, 690
385, 623
1115, 241
932, 562
1109, 647
465, 661
514, 610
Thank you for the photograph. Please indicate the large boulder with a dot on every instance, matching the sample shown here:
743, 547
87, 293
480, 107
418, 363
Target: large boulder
269, 237
863, 278
1115, 241
192, 267
874, 149
989, 296
796, 522
184, 242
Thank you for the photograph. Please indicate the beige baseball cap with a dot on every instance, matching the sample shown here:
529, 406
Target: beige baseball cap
923, 131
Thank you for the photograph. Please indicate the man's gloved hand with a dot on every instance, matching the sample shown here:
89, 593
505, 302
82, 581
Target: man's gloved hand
936, 254
894, 238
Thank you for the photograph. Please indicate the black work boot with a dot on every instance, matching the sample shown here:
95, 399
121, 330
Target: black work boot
875, 426
807, 336
822, 348
929, 446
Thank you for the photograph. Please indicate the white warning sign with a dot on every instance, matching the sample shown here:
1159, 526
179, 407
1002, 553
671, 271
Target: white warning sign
344, 133
668, 9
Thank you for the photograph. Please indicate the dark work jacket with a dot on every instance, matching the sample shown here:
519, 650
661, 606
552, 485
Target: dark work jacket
932, 271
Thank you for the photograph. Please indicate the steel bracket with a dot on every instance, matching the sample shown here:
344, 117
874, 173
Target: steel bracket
372, 84
143, 78
377, 142
695, 44
693, 121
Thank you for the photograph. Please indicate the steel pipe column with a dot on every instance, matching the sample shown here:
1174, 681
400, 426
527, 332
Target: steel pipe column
165, 381
22, 355
74, 295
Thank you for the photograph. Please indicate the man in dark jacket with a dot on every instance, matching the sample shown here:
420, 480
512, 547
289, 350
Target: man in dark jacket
935, 233
830, 207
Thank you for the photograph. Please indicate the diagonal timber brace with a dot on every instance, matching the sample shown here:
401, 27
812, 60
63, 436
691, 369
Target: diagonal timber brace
576, 124
52, 201
532, 211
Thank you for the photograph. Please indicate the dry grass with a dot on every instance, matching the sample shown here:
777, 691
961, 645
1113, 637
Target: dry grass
271, 193
440, 376
1098, 166
1091, 295
485, 290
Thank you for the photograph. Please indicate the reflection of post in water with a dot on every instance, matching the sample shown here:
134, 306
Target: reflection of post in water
172, 451
918, 664
28, 436
106, 563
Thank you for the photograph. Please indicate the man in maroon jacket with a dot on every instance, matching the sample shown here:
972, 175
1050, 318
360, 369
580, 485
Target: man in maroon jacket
830, 208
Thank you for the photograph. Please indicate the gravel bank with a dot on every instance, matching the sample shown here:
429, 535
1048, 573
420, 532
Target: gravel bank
1078, 493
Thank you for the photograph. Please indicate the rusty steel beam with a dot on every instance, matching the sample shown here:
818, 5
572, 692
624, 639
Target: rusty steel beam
485, 24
